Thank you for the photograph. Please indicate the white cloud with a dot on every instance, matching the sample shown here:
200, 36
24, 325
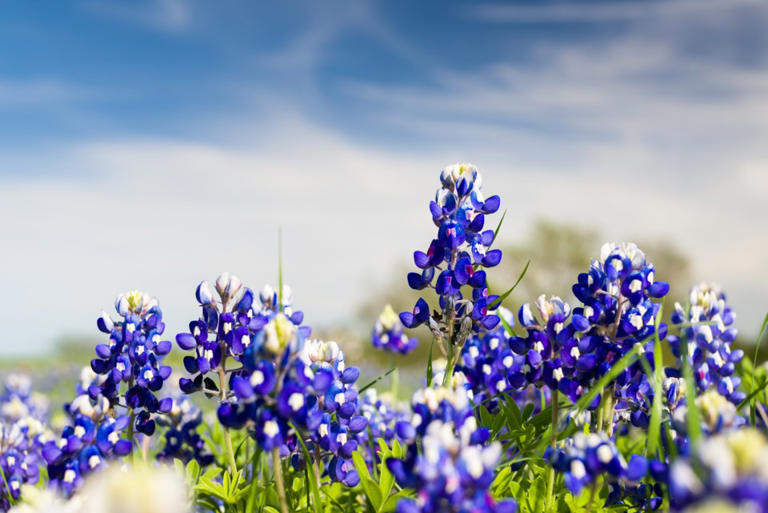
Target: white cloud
631, 135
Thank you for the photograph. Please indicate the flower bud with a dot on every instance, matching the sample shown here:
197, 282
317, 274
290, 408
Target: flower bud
204, 294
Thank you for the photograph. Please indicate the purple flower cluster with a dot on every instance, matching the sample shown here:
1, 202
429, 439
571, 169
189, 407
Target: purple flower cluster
182, 440
22, 435
454, 468
93, 436
706, 332
456, 259
490, 366
570, 349
287, 386
382, 419
728, 470
388, 333
584, 458
103, 411
133, 356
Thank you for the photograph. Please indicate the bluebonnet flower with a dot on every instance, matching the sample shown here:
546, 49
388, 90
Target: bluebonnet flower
133, 355
102, 410
382, 416
706, 332
93, 436
717, 414
388, 333
456, 260
729, 467
19, 401
544, 343
288, 386
454, 469
490, 366
23, 432
569, 349
583, 458
182, 440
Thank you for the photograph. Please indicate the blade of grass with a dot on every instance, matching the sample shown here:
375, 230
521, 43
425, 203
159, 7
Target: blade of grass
430, 375
504, 296
627, 360
654, 429
254, 481
498, 226
314, 479
369, 385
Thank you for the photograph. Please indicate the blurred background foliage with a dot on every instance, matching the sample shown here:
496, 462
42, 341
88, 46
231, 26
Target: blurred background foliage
557, 252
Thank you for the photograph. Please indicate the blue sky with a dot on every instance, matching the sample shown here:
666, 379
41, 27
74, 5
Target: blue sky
152, 144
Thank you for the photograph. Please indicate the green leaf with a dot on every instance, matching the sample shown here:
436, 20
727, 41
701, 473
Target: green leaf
429, 363
311, 474
754, 363
498, 226
386, 478
360, 465
507, 327
504, 296
382, 376
373, 493
390, 504
763, 384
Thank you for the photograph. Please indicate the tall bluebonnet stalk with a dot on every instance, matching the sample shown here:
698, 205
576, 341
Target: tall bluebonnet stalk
706, 332
456, 259
116, 396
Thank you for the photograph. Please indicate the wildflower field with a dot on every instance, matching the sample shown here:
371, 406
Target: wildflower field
545, 406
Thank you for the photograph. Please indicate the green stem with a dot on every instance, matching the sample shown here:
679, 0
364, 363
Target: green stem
555, 418
277, 469
395, 379
227, 436
449, 365
609, 405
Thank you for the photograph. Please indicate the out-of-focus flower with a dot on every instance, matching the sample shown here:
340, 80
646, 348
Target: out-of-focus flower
453, 468
388, 333
706, 332
136, 489
729, 468
22, 435
46, 500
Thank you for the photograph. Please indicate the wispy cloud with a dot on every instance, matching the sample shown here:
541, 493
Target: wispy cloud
165, 15
600, 12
